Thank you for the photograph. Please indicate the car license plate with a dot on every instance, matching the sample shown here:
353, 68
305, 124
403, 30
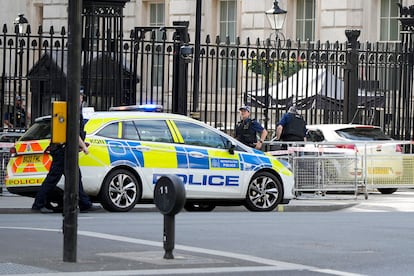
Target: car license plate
380, 170
37, 158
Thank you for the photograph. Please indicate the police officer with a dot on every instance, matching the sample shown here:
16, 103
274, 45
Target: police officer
57, 151
16, 118
247, 129
292, 127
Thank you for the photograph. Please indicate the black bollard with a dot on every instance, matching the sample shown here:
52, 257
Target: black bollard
169, 236
169, 197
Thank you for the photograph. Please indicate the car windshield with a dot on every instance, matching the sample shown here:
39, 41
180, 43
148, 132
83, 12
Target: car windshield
363, 134
39, 130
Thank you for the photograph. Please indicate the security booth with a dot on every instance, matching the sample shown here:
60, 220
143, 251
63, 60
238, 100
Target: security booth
101, 77
48, 83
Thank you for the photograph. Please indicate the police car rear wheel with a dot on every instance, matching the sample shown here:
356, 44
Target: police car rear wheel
120, 191
264, 192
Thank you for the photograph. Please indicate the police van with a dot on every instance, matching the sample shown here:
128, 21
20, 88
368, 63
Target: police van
130, 151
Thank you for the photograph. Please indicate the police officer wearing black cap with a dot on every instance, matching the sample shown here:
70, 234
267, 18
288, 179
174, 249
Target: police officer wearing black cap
247, 129
57, 151
17, 117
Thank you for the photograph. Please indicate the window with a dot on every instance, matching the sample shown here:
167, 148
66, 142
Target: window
157, 11
153, 131
110, 131
41, 129
129, 131
228, 28
228, 12
389, 24
196, 135
305, 20
314, 136
363, 134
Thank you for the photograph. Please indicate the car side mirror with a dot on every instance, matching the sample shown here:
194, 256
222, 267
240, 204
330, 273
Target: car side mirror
230, 146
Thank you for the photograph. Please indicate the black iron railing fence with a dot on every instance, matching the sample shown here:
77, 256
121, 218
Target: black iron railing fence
337, 82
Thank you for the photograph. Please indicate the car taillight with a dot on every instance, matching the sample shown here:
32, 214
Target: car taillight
13, 151
347, 146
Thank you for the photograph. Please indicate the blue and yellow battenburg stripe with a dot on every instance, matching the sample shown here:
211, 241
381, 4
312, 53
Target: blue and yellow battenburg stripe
107, 152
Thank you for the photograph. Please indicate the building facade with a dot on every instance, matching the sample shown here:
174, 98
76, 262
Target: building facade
324, 20
236, 64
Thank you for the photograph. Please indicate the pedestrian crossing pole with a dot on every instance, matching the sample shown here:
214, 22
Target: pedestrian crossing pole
71, 191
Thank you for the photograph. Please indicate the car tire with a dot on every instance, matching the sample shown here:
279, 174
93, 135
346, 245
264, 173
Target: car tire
120, 191
387, 191
264, 193
199, 207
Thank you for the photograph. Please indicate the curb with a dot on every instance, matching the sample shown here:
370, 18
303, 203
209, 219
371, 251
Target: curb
13, 204
279, 209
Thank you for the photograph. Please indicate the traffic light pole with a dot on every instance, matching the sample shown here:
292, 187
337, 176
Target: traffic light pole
71, 191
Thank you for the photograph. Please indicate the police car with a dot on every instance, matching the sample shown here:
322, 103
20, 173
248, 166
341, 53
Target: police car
130, 151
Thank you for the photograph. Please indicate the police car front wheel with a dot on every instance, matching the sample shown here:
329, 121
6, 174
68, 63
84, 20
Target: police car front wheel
264, 193
120, 191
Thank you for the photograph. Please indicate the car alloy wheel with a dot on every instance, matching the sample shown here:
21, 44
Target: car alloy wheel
120, 191
264, 192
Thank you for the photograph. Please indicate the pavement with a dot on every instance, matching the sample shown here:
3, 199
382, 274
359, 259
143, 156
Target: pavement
14, 204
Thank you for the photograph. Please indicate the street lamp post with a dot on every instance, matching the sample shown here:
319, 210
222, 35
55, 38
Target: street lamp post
20, 24
276, 17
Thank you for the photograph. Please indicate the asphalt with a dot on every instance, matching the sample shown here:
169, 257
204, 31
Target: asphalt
135, 256
14, 204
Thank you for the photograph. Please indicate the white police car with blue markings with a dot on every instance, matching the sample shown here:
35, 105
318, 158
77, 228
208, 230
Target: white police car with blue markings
130, 151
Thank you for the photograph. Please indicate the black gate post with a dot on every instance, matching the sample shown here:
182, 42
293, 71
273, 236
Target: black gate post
268, 64
407, 66
179, 87
196, 82
102, 49
351, 77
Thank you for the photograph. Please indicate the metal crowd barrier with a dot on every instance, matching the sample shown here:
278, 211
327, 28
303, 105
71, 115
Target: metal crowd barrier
401, 176
327, 167
4, 159
7, 139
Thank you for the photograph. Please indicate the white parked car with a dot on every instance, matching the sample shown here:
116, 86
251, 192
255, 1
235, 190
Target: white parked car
379, 157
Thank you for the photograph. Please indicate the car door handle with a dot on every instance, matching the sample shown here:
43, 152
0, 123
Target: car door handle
142, 148
196, 154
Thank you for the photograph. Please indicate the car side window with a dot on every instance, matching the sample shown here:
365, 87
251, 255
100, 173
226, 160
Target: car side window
110, 131
39, 130
314, 136
153, 130
197, 135
129, 131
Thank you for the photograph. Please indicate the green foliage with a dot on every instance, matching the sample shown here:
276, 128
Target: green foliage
281, 68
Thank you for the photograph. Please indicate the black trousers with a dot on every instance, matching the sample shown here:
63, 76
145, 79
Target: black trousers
56, 171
